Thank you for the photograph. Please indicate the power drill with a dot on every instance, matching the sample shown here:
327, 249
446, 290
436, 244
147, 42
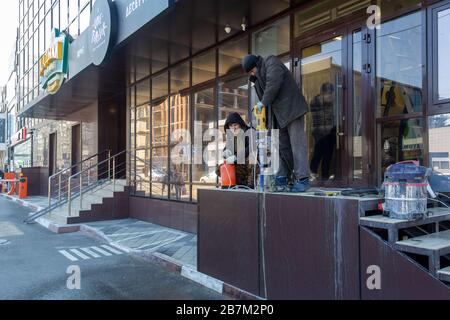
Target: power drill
261, 128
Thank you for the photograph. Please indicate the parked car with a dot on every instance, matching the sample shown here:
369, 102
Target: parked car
209, 178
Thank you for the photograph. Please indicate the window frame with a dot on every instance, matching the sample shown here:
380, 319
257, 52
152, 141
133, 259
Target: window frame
435, 106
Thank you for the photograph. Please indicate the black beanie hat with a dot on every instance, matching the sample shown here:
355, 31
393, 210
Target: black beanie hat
249, 62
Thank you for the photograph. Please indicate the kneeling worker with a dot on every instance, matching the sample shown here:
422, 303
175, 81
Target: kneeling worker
277, 89
244, 171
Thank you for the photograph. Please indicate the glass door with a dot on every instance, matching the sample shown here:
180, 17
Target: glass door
331, 78
322, 76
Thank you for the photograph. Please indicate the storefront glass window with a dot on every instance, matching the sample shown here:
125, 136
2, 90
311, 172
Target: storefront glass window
399, 66
357, 107
204, 68
160, 141
390, 8
401, 141
142, 161
273, 39
22, 155
142, 67
233, 97
231, 54
179, 78
204, 153
323, 12
160, 86
443, 51
439, 143
180, 148
143, 92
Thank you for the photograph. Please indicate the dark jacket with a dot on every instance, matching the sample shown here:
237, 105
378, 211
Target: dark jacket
244, 172
276, 88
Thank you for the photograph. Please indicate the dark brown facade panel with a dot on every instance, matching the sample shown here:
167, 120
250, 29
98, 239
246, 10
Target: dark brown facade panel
311, 248
176, 215
228, 246
37, 181
401, 277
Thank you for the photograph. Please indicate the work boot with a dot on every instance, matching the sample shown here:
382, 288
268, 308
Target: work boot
280, 184
301, 186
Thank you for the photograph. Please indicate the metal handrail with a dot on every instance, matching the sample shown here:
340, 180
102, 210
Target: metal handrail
60, 173
80, 175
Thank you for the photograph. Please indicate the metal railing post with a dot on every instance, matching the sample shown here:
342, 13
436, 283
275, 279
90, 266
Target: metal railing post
70, 196
49, 191
114, 174
59, 188
81, 191
109, 165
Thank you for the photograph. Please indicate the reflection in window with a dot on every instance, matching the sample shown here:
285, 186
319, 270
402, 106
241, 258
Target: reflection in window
399, 66
400, 141
160, 141
179, 78
233, 97
142, 159
180, 150
357, 107
231, 54
439, 143
204, 68
143, 92
443, 51
204, 154
322, 12
273, 39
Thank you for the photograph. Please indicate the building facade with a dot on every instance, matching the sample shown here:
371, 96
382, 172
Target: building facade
175, 65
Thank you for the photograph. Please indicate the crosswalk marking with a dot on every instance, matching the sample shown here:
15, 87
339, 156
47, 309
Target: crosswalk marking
111, 249
90, 252
68, 255
87, 253
80, 254
102, 251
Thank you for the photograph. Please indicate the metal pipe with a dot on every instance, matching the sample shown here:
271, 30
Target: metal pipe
109, 165
49, 191
70, 196
59, 188
81, 192
114, 174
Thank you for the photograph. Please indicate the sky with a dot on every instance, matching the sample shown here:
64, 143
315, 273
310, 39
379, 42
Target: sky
9, 12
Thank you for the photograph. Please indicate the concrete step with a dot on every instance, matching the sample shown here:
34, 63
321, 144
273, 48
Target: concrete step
444, 274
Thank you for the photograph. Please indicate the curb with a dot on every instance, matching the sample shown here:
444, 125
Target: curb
186, 271
46, 223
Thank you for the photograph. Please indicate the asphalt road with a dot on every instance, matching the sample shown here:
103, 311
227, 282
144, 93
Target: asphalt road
34, 265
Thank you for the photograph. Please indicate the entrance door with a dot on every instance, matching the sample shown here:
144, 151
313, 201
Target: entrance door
330, 74
52, 163
76, 148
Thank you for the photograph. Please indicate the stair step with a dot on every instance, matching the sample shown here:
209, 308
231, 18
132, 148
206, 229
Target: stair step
437, 243
382, 222
444, 274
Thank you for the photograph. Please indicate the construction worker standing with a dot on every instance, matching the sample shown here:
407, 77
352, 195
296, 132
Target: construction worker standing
277, 90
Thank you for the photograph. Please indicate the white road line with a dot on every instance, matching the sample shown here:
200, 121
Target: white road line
105, 253
90, 252
80, 254
111, 249
68, 255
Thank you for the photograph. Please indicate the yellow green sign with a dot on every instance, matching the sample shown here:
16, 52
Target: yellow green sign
53, 64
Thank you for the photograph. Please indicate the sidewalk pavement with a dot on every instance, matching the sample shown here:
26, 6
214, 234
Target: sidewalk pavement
175, 250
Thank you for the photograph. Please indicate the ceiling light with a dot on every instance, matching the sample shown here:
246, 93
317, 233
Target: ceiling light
244, 24
228, 28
